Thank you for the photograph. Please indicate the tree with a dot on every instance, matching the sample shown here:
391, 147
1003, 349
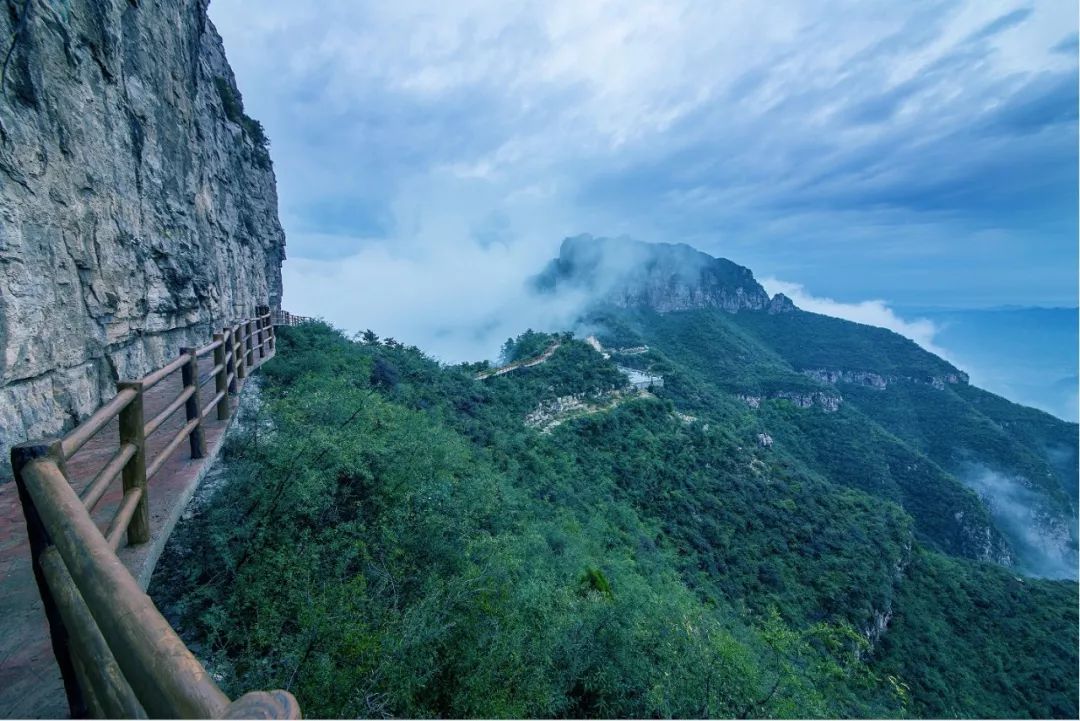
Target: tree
383, 375
506, 353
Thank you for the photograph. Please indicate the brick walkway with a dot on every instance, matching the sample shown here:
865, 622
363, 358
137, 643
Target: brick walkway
30, 684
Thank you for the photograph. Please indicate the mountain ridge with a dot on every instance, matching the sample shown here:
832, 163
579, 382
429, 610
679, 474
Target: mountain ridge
671, 296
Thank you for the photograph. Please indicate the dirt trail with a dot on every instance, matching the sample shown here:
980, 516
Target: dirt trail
535, 361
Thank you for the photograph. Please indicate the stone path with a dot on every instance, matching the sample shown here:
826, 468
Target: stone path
30, 683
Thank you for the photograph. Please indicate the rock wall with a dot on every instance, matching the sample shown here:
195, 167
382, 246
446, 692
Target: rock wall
138, 206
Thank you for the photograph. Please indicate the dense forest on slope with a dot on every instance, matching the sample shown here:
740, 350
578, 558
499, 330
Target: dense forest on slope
393, 537
982, 477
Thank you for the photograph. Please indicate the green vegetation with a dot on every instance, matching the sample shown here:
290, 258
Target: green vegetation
708, 359
528, 345
930, 447
233, 105
808, 340
392, 539
953, 424
975, 640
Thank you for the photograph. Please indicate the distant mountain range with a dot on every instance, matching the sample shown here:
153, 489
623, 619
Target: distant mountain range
983, 477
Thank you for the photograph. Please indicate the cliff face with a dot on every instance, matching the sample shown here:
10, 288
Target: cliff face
660, 276
138, 207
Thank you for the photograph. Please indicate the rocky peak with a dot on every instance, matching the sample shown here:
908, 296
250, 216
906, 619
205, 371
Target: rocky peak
780, 303
662, 276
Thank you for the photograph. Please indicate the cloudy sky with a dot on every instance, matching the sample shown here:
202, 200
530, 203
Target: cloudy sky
429, 155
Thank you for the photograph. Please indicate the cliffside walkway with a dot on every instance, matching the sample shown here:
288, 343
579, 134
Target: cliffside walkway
193, 399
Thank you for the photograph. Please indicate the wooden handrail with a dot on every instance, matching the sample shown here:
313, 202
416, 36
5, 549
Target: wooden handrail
259, 337
79, 435
113, 697
229, 352
152, 379
221, 377
164, 453
96, 488
193, 405
163, 675
120, 521
212, 375
238, 357
132, 430
154, 423
283, 317
207, 348
116, 602
118, 656
213, 404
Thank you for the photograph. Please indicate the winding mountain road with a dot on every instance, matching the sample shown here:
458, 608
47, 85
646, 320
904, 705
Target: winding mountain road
534, 361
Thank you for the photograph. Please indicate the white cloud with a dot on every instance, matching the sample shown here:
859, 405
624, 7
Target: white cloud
400, 129
372, 94
458, 301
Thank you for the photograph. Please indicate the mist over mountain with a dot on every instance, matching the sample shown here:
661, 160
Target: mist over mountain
661, 276
464, 307
999, 479
482, 465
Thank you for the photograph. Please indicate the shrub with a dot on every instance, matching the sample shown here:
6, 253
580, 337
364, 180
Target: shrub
233, 105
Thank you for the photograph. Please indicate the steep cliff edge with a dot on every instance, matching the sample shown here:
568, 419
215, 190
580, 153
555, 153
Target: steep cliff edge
138, 206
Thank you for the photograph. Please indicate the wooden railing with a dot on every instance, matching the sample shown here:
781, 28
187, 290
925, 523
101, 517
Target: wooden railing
284, 317
118, 656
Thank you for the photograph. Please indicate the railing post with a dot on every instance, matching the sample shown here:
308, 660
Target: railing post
230, 358
238, 351
260, 333
190, 374
221, 379
38, 537
132, 430
249, 357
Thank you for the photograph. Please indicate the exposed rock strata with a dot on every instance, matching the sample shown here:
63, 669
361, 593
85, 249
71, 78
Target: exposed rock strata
880, 382
825, 401
138, 208
550, 414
